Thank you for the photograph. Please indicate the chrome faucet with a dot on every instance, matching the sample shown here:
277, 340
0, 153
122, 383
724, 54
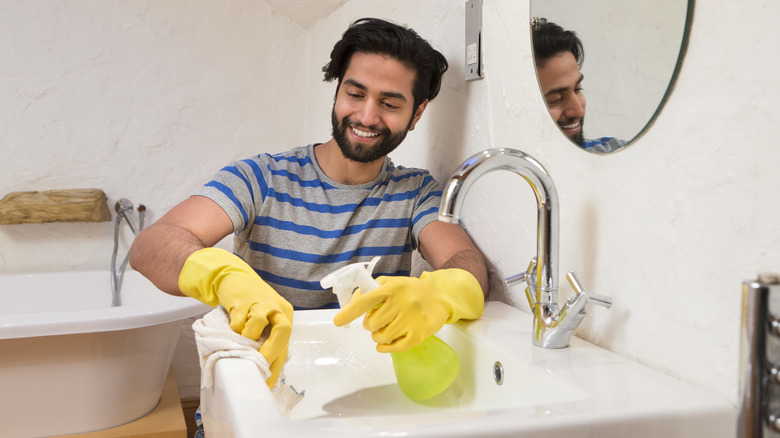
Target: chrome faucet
552, 325
123, 208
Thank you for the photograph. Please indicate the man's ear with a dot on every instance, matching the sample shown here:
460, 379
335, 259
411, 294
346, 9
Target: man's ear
418, 113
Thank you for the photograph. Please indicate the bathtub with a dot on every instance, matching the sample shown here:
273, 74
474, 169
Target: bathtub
71, 363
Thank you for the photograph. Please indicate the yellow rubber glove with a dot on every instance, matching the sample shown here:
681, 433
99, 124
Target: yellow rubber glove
404, 311
218, 277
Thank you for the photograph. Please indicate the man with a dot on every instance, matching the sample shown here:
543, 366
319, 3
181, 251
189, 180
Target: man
301, 214
559, 54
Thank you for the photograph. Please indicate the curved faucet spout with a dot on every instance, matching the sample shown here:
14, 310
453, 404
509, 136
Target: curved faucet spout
546, 281
553, 326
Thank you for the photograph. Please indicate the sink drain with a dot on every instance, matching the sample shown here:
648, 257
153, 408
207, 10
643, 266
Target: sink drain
498, 373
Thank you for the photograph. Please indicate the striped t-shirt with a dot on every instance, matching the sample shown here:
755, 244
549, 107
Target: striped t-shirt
294, 225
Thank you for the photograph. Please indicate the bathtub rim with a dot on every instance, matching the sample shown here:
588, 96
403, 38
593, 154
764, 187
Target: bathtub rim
163, 309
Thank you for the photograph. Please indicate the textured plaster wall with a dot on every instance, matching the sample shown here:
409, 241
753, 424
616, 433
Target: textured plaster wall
143, 99
147, 99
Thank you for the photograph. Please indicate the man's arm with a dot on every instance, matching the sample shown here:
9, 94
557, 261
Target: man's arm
160, 250
445, 245
175, 254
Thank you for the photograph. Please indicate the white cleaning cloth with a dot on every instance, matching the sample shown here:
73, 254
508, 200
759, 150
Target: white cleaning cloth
216, 340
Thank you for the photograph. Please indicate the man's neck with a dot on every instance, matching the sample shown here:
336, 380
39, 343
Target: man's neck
343, 170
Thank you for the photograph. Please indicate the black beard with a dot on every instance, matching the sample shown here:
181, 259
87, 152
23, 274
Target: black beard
358, 152
579, 138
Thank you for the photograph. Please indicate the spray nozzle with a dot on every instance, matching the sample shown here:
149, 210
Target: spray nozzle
346, 279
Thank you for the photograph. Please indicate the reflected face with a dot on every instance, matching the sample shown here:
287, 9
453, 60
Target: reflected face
374, 107
561, 82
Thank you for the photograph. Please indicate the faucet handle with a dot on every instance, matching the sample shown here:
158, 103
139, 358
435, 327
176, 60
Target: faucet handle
601, 300
529, 276
512, 279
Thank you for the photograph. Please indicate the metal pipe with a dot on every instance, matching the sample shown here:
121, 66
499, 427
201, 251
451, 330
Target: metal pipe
122, 207
757, 379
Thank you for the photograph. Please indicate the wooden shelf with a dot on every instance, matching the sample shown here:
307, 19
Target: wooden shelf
74, 205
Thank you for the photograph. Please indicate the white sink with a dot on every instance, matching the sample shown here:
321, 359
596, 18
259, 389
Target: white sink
350, 389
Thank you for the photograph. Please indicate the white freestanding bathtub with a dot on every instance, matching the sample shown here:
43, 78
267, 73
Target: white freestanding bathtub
71, 363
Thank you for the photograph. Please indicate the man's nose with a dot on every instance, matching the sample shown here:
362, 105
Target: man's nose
575, 108
368, 114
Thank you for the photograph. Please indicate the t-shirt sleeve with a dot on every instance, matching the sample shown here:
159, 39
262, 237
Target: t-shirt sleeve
427, 209
238, 188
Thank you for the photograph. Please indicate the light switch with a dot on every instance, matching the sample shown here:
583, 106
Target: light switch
473, 39
471, 54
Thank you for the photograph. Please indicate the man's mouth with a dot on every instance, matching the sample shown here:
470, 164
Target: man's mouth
571, 126
364, 134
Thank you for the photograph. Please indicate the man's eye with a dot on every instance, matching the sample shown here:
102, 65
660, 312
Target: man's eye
391, 106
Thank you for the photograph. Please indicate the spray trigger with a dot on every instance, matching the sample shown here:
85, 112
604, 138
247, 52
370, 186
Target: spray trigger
346, 279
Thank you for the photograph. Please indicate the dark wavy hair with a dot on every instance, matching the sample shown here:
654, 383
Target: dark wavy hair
550, 39
372, 35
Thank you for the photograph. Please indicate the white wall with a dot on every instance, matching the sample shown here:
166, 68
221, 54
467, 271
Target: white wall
144, 100
109, 94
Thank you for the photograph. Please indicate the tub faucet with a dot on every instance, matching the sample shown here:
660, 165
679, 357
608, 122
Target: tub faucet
552, 326
123, 208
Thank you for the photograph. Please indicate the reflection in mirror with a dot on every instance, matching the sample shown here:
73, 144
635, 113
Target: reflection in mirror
617, 59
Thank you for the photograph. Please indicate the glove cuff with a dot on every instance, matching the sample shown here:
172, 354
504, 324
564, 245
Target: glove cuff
462, 291
203, 270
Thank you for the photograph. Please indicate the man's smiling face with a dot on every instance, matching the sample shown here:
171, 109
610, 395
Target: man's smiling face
374, 107
561, 83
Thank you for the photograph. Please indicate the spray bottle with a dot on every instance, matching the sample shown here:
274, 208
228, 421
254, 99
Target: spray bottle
423, 371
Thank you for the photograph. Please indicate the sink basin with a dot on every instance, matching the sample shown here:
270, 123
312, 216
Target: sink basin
506, 387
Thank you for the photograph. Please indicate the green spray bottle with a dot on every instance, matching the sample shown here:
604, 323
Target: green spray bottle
422, 372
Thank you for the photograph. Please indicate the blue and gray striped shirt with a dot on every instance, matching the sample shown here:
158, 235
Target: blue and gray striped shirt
294, 225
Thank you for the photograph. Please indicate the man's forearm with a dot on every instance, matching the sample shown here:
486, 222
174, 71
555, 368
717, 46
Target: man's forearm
473, 261
159, 253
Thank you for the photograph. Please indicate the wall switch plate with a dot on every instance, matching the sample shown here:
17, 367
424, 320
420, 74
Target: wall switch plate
473, 39
471, 54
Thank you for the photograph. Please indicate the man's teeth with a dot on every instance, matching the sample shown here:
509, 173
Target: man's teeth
572, 126
366, 134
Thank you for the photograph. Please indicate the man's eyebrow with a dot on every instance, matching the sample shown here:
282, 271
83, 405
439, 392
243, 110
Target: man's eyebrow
355, 83
390, 94
562, 89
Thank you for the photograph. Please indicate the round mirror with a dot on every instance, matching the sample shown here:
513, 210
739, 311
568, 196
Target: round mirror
617, 59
